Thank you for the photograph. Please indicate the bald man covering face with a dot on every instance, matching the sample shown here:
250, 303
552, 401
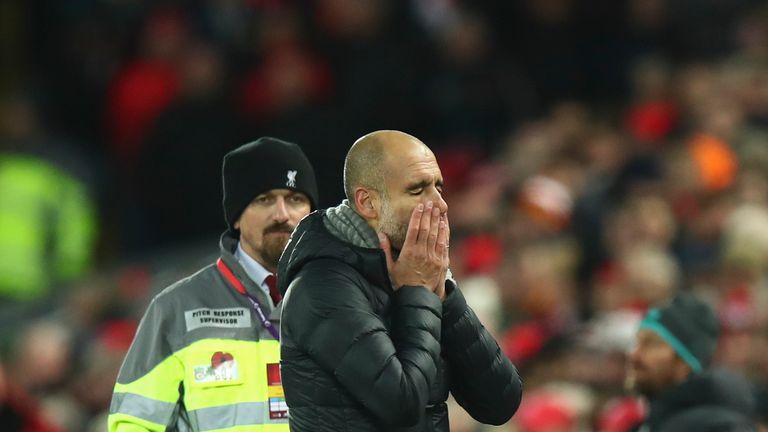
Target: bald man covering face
374, 331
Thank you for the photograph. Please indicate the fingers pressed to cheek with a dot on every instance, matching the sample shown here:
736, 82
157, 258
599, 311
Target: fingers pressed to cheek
426, 218
413, 226
434, 229
442, 235
447, 230
443, 241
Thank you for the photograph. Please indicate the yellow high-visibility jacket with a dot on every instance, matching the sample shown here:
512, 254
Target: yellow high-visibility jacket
201, 359
47, 227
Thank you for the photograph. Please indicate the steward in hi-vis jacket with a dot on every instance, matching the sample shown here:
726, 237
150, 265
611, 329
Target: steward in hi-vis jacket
206, 355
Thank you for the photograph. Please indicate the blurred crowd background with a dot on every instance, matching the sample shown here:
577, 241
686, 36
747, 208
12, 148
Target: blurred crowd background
598, 156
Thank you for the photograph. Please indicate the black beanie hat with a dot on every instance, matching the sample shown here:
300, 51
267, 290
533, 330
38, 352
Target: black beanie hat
259, 166
689, 326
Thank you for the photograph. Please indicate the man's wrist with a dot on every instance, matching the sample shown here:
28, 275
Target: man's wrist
454, 304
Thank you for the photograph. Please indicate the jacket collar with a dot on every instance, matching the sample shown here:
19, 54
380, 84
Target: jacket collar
228, 245
313, 241
714, 387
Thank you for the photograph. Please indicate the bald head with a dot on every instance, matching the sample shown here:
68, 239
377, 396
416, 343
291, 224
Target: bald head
387, 174
368, 160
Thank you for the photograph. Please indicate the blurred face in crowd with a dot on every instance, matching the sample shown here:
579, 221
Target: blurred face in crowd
653, 365
411, 176
267, 223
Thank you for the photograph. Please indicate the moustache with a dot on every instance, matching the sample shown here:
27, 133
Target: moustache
279, 228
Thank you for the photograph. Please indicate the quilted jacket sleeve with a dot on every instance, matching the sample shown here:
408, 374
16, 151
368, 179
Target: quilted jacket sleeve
329, 317
483, 380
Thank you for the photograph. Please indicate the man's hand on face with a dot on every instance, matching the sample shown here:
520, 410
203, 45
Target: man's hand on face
423, 260
440, 289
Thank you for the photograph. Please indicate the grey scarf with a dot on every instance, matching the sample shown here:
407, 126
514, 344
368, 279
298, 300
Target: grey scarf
347, 225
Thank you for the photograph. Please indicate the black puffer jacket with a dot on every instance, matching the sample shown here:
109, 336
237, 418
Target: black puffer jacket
358, 356
714, 401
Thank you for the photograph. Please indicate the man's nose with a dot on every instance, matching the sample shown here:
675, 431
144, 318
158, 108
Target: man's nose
280, 213
441, 204
437, 198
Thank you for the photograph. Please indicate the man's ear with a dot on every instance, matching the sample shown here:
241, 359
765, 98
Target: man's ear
366, 203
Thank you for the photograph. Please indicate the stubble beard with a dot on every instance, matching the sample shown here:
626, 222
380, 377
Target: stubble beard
389, 225
640, 386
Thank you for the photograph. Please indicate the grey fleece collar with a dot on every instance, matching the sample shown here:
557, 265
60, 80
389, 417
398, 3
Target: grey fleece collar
344, 223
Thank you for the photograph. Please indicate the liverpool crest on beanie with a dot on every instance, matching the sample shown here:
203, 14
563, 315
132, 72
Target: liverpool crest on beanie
689, 326
259, 166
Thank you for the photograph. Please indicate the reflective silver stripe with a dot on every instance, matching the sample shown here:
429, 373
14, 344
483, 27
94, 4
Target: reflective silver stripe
183, 423
142, 407
242, 414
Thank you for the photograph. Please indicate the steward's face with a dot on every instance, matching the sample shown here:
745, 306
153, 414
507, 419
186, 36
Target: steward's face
267, 223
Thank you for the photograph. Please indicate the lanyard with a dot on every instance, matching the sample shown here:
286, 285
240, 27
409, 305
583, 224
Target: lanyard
254, 301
